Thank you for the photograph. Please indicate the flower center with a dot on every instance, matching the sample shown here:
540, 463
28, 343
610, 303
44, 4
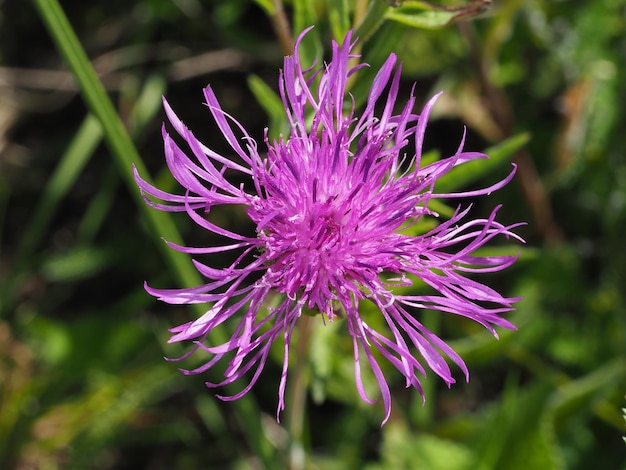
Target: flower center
308, 251
321, 236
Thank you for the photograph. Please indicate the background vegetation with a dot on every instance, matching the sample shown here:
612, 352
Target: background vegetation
82, 379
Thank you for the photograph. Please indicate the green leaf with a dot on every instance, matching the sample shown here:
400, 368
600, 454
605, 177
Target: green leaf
339, 17
98, 210
106, 411
517, 434
372, 20
272, 104
311, 46
147, 104
267, 5
421, 17
51, 340
403, 449
472, 171
117, 137
578, 394
324, 344
376, 53
78, 263
426, 15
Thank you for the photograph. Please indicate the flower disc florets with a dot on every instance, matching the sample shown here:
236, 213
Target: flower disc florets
333, 204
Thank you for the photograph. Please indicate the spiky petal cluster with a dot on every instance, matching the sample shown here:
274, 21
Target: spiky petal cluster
333, 204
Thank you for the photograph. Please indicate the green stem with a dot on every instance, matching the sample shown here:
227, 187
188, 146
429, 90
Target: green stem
296, 395
423, 416
281, 27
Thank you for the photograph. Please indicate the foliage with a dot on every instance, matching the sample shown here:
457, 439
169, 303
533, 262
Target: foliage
82, 379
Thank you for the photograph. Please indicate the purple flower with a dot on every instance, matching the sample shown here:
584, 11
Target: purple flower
335, 205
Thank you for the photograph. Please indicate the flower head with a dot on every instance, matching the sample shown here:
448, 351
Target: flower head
334, 204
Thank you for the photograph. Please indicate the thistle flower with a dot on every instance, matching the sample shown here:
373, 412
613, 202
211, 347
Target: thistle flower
333, 203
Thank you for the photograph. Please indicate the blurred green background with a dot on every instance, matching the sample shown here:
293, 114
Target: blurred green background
83, 383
